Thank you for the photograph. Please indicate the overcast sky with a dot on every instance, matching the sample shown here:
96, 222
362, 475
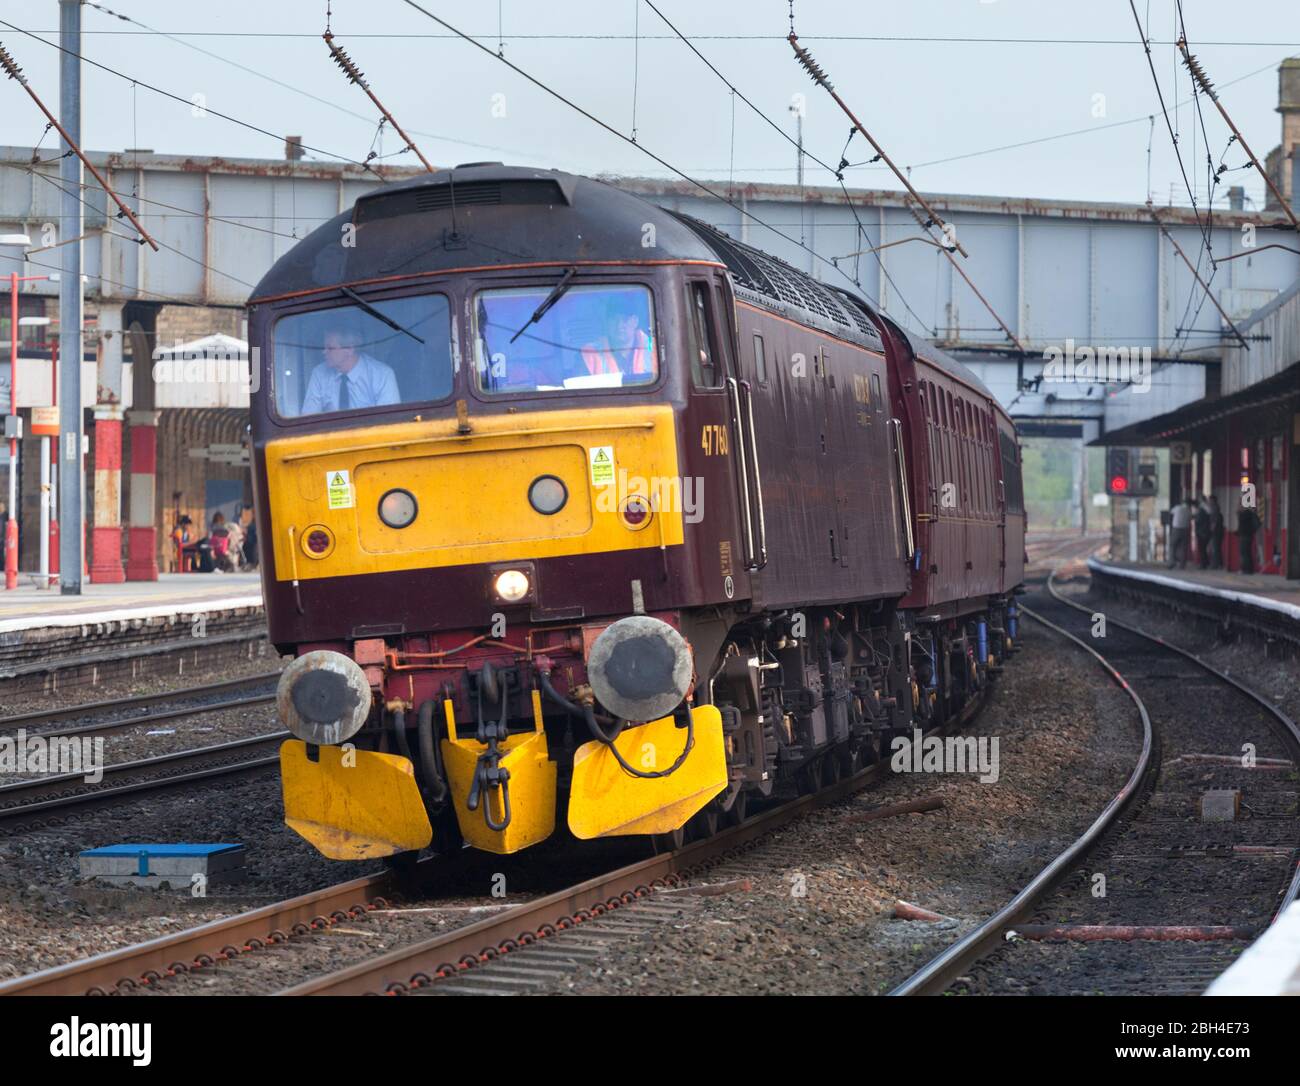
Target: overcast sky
924, 100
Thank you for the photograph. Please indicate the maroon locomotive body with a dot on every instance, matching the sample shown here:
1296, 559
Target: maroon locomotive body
549, 477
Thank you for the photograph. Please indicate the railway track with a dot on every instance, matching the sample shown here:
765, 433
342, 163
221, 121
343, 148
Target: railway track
40, 797
515, 948
118, 713
44, 796
1150, 899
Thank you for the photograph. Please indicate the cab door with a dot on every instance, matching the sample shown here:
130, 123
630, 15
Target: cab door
715, 466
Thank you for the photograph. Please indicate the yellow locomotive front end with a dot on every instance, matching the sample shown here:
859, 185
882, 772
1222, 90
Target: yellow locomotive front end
463, 493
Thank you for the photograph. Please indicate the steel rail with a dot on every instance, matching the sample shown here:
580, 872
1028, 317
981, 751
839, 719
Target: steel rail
1290, 733
132, 965
939, 972
68, 712
462, 948
98, 795
935, 976
146, 963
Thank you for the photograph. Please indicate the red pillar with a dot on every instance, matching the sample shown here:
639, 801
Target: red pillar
106, 537
142, 533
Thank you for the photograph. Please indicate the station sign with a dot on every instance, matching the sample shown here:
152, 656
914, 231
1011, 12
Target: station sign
45, 422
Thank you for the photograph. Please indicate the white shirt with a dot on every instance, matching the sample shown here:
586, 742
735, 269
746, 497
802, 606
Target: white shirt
370, 384
1182, 515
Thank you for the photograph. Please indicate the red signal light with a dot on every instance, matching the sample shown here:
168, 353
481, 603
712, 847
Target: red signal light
1119, 484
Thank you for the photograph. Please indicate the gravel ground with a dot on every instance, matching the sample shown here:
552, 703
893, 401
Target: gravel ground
49, 915
1052, 718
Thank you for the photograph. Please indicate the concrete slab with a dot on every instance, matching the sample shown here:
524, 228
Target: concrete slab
156, 865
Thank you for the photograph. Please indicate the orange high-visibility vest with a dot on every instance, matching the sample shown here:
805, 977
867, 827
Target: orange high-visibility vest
601, 360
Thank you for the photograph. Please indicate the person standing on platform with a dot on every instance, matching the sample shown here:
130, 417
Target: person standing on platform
1180, 519
1216, 533
1201, 526
1247, 526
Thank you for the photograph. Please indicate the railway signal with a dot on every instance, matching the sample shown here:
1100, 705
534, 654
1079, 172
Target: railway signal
1119, 471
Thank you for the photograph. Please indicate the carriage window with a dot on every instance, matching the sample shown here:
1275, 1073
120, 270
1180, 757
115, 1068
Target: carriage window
760, 361
704, 370
587, 337
354, 357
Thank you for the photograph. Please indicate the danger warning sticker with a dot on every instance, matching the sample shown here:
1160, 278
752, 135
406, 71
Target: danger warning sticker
338, 489
602, 465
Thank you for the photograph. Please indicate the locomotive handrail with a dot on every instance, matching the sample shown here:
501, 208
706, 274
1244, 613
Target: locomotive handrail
902, 485
404, 442
758, 478
744, 474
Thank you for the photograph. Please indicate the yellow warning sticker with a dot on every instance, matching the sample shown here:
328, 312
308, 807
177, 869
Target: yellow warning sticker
338, 489
602, 465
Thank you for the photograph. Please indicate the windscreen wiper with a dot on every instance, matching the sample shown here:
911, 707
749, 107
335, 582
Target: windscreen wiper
556, 294
378, 315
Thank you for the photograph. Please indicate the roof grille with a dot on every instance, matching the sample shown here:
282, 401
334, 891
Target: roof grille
772, 278
423, 199
473, 192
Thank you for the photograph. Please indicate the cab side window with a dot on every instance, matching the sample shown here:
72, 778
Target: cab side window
705, 371
760, 360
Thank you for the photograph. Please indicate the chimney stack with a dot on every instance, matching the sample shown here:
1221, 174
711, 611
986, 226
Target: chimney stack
1288, 104
293, 148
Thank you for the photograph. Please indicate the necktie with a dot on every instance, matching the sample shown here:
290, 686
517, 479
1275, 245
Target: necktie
345, 394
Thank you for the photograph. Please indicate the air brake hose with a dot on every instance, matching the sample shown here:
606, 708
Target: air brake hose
601, 736
399, 730
430, 760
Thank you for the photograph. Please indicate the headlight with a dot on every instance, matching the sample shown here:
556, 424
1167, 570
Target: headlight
512, 585
397, 508
547, 495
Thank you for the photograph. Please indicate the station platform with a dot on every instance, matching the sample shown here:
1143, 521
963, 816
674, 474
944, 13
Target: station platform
173, 594
1256, 591
183, 623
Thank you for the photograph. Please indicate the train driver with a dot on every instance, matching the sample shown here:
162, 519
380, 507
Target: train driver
349, 377
625, 348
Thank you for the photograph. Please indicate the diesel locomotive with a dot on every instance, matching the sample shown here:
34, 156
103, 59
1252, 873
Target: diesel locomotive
575, 510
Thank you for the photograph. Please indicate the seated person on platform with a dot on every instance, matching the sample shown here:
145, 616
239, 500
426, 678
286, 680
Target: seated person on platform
233, 560
348, 378
249, 524
625, 348
219, 542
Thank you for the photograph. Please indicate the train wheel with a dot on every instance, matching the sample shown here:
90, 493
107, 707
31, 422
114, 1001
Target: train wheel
668, 842
739, 809
704, 823
809, 777
831, 766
